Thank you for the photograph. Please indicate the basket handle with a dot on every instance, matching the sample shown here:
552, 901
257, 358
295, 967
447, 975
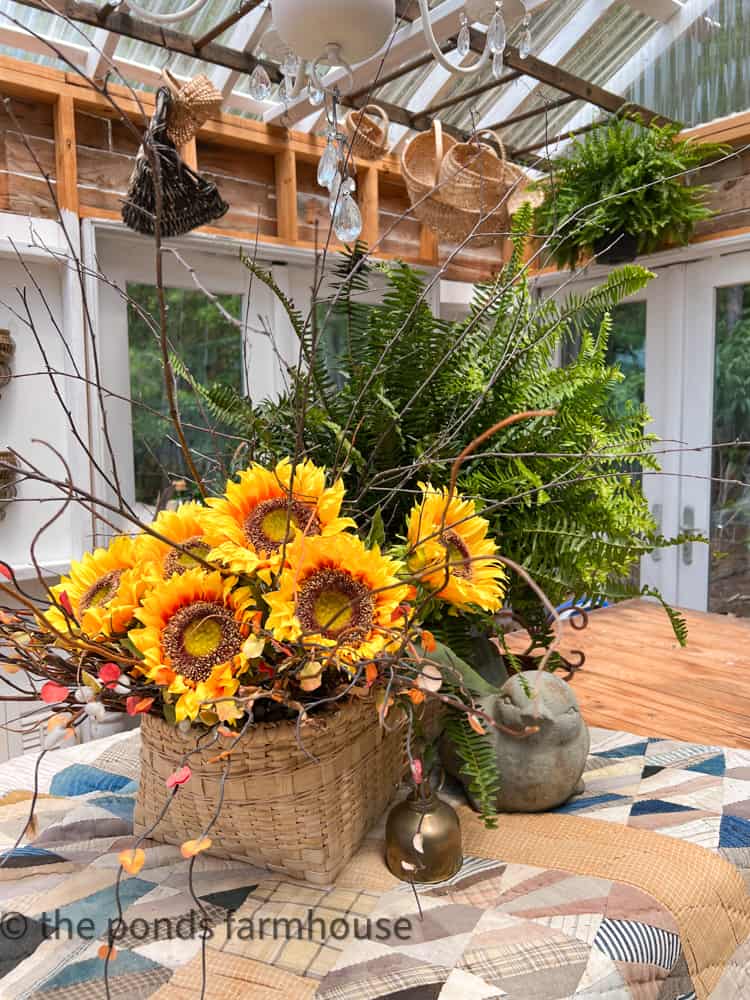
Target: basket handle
385, 121
437, 131
496, 141
171, 80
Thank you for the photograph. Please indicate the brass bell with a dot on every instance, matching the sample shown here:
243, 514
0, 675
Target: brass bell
423, 838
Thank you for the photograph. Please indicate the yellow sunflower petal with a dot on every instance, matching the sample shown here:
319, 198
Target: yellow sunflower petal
451, 552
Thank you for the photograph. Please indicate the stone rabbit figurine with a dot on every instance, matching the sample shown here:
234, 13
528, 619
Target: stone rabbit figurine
543, 769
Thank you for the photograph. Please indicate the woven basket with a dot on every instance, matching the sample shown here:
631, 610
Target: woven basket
7, 350
193, 103
421, 163
368, 138
473, 176
420, 166
281, 810
8, 479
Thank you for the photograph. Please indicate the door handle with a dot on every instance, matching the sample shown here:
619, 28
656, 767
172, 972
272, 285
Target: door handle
657, 512
688, 525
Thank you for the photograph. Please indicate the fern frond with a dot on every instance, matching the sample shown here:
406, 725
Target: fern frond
479, 765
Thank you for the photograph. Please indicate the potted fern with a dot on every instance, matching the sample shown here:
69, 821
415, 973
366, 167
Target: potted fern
623, 191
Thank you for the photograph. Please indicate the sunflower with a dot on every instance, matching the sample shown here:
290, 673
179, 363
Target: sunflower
184, 527
249, 524
195, 624
449, 536
102, 591
336, 592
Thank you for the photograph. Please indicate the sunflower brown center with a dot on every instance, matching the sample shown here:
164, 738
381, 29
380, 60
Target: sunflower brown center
199, 637
177, 561
459, 557
101, 591
272, 522
332, 603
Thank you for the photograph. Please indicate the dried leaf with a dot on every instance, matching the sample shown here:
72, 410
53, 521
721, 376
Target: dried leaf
136, 705
106, 951
476, 725
253, 647
4, 571
53, 692
371, 673
193, 847
132, 860
179, 777
428, 641
65, 603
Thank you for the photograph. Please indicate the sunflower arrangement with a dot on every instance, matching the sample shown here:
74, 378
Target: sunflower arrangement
257, 605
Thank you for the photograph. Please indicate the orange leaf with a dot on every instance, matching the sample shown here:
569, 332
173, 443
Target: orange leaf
192, 847
428, 641
371, 673
416, 695
224, 755
105, 950
132, 860
476, 725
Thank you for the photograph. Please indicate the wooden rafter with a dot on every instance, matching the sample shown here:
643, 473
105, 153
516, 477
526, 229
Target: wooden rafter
227, 22
85, 12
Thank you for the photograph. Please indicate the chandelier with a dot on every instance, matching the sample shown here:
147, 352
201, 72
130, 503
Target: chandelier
341, 33
338, 34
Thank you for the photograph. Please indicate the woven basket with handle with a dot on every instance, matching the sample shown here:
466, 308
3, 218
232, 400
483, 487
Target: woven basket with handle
301, 813
193, 104
421, 165
368, 137
474, 177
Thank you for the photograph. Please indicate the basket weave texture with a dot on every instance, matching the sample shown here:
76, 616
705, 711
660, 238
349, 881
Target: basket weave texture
281, 810
452, 186
194, 103
368, 137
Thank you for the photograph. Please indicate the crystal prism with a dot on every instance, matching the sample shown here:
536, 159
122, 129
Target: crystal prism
315, 95
329, 165
498, 65
496, 34
290, 65
347, 223
260, 84
463, 42
524, 47
337, 193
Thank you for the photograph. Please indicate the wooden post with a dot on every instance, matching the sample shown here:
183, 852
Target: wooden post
369, 206
66, 158
428, 245
189, 153
286, 196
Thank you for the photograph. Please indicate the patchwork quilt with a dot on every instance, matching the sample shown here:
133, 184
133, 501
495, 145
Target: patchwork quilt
634, 890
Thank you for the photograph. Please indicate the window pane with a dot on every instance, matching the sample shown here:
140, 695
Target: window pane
211, 348
626, 348
729, 589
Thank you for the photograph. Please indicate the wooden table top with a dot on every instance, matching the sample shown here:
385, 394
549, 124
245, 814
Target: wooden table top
637, 678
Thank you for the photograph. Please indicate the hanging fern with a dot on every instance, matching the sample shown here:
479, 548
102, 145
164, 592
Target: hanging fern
479, 765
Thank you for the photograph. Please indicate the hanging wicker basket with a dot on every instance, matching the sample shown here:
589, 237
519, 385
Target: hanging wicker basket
7, 350
473, 177
420, 165
298, 809
193, 104
368, 136
8, 479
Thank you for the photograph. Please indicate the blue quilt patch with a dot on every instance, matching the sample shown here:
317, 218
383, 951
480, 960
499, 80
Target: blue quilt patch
734, 832
81, 779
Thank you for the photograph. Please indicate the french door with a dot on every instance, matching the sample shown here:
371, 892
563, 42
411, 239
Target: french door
714, 385
683, 344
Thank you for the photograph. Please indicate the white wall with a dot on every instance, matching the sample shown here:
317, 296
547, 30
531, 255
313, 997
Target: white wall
29, 409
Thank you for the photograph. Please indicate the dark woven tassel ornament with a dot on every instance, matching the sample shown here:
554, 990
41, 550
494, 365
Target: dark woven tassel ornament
188, 200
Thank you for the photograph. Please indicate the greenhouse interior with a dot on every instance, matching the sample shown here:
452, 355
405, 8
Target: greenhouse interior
374, 521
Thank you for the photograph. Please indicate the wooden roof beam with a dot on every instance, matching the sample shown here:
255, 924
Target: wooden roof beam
86, 12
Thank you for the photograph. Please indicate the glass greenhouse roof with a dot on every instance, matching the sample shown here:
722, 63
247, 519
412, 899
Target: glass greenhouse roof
686, 59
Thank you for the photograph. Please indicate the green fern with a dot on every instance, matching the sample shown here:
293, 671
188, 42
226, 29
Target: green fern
479, 765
